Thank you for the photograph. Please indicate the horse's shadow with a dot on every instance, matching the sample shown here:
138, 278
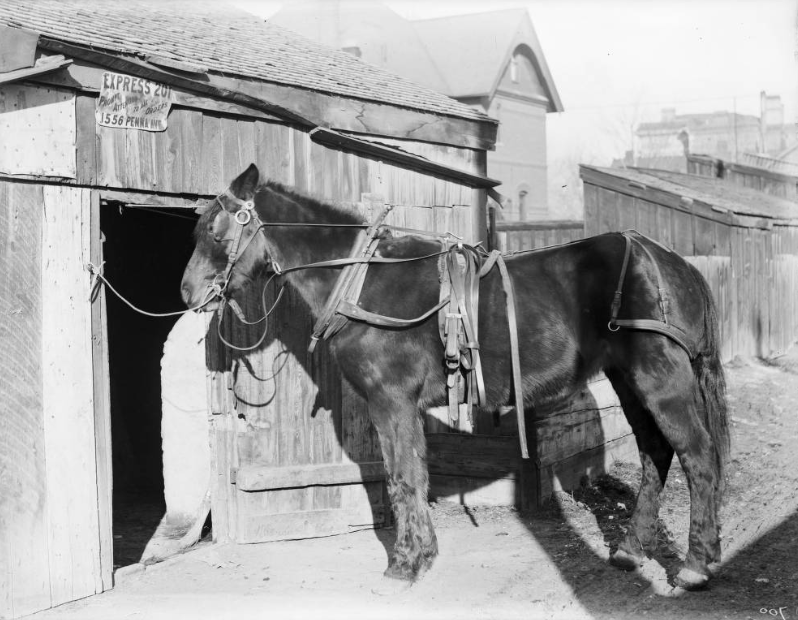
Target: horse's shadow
260, 375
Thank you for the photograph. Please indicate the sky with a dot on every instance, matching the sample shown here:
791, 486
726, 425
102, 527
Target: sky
616, 63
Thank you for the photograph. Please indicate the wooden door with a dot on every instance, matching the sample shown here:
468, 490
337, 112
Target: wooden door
55, 527
293, 452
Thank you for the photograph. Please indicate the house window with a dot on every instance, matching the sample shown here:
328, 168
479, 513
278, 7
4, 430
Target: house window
522, 194
514, 70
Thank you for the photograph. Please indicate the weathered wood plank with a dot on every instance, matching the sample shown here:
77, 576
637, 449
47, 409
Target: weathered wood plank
86, 140
480, 456
102, 408
247, 148
211, 172
258, 478
68, 397
305, 524
231, 165
24, 554
190, 137
274, 152
37, 131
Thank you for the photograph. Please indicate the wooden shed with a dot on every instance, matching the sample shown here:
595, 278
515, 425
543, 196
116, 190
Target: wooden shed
85, 178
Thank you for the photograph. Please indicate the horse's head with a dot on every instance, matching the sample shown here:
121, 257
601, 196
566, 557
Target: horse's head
228, 227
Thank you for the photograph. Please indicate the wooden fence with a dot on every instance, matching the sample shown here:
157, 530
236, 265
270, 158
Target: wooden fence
517, 236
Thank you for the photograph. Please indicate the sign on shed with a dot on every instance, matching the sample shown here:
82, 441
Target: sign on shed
133, 103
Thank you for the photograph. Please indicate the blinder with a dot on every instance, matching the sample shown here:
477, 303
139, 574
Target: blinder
243, 216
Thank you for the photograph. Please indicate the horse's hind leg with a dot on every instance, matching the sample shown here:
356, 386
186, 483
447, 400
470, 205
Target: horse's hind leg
656, 455
665, 385
401, 435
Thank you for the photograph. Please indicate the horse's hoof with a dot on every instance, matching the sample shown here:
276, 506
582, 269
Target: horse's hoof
626, 561
691, 580
400, 572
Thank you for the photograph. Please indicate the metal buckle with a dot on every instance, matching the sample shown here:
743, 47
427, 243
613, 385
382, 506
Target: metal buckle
246, 216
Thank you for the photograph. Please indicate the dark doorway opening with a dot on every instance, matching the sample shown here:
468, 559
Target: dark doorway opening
145, 250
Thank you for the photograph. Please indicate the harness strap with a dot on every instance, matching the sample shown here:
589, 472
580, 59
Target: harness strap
350, 282
353, 311
616, 302
662, 326
459, 329
512, 325
666, 329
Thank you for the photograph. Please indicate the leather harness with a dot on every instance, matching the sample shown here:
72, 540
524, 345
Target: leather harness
460, 268
661, 326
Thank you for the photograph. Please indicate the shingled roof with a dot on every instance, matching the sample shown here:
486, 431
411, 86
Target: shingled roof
711, 191
226, 41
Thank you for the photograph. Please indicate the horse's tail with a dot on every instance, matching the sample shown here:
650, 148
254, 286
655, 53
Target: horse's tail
711, 380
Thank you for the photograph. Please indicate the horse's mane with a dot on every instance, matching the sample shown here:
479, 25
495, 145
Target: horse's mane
335, 214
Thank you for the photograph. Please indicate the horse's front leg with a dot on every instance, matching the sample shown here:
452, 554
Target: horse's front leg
404, 449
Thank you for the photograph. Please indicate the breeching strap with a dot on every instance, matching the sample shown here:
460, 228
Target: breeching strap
661, 326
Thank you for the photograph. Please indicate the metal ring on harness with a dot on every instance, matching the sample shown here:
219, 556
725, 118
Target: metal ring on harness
609, 327
243, 216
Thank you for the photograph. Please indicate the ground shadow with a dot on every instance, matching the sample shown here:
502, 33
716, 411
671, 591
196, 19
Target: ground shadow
762, 575
260, 379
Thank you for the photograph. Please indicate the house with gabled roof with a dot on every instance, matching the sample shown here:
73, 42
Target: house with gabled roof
491, 61
117, 122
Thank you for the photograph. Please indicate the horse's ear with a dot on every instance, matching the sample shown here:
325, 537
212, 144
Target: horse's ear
244, 186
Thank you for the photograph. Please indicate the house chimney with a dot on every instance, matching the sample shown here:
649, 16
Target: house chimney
684, 138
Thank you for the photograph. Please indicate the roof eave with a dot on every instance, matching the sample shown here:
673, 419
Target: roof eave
303, 107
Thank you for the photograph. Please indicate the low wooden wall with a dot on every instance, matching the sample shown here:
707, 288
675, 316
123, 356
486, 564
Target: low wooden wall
518, 236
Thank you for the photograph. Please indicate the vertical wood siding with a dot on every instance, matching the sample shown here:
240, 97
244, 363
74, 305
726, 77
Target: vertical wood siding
68, 397
24, 549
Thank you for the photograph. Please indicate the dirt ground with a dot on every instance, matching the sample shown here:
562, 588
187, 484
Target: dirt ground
498, 564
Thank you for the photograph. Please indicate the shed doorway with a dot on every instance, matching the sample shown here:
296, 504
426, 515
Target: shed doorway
145, 250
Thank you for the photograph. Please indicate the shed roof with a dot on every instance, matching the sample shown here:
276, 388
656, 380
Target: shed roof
711, 191
227, 41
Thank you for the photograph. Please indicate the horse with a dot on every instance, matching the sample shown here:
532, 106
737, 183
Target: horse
582, 308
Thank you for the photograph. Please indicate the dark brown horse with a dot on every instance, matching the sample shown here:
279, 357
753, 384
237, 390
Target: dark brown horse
672, 392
